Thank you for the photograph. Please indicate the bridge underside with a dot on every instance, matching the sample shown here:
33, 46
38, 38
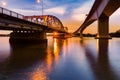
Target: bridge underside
103, 20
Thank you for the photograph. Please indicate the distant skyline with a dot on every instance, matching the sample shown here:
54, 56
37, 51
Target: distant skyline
70, 12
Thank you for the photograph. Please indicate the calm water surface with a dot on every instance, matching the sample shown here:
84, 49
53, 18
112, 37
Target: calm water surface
61, 59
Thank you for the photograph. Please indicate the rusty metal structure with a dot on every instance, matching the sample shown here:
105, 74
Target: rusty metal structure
10, 20
47, 20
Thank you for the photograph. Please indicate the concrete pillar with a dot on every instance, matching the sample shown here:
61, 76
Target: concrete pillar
103, 27
31, 37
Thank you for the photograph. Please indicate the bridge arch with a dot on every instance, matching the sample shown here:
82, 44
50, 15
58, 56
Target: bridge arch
47, 20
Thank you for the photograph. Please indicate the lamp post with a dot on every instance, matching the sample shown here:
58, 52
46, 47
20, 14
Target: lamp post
3, 3
38, 1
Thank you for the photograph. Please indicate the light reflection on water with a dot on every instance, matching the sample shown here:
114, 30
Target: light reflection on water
61, 59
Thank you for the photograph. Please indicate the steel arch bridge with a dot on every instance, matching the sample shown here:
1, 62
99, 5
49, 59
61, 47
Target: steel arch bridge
47, 20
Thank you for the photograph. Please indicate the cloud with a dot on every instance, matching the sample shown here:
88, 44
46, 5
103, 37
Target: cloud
50, 11
56, 10
79, 13
27, 12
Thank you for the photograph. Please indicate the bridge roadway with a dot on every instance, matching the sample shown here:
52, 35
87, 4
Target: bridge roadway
101, 11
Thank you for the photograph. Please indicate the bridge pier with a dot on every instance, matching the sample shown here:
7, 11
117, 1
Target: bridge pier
28, 37
103, 27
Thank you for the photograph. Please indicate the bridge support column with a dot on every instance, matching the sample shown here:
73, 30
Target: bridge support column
103, 27
28, 37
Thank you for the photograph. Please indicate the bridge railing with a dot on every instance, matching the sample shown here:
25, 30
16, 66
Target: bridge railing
11, 13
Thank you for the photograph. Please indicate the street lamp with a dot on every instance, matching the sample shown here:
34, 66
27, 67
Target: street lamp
38, 1
3, 3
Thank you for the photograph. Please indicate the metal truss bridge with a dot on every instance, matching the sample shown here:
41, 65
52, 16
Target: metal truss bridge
10, 20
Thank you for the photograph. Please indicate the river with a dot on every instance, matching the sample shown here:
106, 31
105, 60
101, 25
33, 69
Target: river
61, 59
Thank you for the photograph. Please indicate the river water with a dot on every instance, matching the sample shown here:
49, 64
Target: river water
61, 59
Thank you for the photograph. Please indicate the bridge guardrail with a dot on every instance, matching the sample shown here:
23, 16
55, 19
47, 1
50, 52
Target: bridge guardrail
11, 13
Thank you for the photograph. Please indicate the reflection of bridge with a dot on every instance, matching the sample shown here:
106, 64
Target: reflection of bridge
101, 11
29, 27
